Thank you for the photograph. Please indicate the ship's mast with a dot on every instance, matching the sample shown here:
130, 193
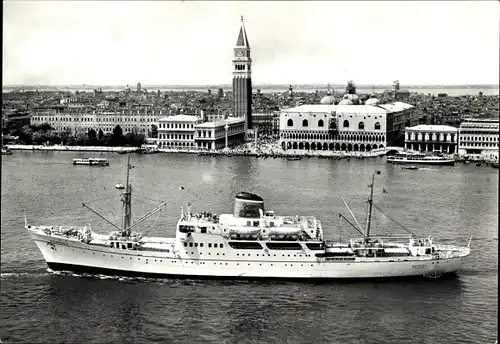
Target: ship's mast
370, 206
127, 202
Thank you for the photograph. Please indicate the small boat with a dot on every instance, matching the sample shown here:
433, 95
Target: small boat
494, 164
119, 186
478, 164
411, 167
91, 162
6, 151
293, 158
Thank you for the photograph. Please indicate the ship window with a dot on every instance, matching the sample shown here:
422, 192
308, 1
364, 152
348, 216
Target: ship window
377, 126
195, 244
249, 223
283, 246
201, 244
215, 245
305, 123
203, 229
256, 223
221, 246
320, 123
209, 244
314, 246
290, 123
271, 224
190, 244
245, 245
346, 124
185, 244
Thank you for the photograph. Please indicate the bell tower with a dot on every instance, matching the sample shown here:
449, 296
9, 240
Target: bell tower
242, 78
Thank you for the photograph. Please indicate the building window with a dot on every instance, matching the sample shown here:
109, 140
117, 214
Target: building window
290, 123
305, 123
346, 124
361, 126
320, 123
377, 126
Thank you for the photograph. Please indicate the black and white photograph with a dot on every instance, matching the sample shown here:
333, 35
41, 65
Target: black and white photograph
250, 172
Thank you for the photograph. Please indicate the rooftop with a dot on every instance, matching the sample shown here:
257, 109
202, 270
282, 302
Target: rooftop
396, 106
432, 128
230, 120
329, 108
180, 118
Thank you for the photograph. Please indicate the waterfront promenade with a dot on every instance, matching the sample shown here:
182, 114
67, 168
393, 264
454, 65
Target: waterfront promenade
263, 150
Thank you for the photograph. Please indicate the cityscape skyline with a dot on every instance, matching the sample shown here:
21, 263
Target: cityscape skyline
180, 43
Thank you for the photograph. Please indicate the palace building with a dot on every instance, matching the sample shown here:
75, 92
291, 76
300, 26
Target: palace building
478, 138
193, 132
242, 78
430, 138
334, 127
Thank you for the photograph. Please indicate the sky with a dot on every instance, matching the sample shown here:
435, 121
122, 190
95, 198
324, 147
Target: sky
292, 42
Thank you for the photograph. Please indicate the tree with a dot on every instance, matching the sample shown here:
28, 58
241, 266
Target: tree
117, 138
117, 131
92, 134
154, 131
101, 135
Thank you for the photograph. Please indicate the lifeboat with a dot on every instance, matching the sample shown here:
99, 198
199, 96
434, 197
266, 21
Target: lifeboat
284, 230
243, 230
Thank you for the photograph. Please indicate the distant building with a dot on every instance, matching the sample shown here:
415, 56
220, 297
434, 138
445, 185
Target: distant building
212, 135
478, 138
79, 118
15, 120
220, 93
267, 122
242, 78
138, 87
177, 131
192, 132
399, 116
431, 138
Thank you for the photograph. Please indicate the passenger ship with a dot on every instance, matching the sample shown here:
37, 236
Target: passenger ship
250, 243
91, 162
418, 158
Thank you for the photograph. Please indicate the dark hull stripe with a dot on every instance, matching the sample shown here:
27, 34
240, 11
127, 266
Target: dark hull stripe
125, 273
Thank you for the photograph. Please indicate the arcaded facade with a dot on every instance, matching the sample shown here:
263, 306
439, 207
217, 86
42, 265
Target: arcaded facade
346, 128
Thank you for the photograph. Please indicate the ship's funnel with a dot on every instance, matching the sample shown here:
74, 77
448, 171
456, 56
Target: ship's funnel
248, 205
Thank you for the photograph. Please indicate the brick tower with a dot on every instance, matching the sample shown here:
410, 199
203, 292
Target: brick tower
242, 78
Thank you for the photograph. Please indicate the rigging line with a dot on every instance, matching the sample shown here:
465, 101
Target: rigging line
101, 199
154, 224
146, 198
390, 218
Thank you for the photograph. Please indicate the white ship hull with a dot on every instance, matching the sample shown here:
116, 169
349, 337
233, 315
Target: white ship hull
421, 161
70, 255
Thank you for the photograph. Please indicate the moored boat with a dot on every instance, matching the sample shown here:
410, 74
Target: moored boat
250, 243
428, 159
91, 162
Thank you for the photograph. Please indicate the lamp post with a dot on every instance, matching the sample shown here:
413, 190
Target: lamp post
227, 129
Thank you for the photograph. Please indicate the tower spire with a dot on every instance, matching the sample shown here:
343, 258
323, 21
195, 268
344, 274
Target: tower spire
242, 37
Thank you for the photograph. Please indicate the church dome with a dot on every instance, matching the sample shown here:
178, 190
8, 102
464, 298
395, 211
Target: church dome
328, 100
372, 101
346, 101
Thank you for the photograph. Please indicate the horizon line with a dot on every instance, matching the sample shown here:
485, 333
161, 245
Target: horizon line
230, 85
